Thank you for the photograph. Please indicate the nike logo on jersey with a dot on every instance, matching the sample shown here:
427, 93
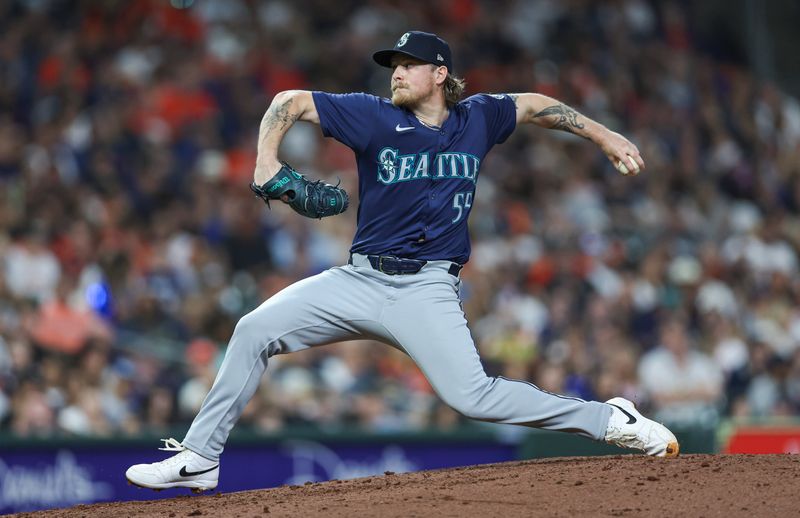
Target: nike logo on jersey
400, 129
631, 419
185, 473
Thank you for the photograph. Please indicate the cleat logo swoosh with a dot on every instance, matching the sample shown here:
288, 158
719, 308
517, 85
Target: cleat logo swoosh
401, 129
185, 473
631, 419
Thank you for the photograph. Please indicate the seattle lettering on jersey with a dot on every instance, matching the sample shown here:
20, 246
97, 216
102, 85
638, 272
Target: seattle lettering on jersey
394, 168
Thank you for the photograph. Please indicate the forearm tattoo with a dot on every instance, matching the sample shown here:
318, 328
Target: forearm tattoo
564, 117
278, 116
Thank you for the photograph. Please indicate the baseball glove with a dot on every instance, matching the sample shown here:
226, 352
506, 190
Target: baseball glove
310, 199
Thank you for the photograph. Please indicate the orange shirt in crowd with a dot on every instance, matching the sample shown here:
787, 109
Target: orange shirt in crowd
59, 327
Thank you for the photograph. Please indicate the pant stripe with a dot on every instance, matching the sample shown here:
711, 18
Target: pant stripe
543, 390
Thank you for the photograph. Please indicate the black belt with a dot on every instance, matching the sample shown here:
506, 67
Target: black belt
391, 265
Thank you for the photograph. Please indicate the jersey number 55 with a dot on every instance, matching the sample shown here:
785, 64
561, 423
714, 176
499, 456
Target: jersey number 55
462, 201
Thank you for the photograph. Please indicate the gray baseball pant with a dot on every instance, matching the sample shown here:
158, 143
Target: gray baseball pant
419, 314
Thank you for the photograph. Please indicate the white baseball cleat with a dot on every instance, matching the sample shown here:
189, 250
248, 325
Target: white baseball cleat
630, 429
186, 469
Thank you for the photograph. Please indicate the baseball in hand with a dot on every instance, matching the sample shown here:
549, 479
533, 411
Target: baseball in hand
622, 168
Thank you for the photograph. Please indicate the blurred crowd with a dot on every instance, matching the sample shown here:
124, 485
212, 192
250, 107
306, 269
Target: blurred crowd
130, 243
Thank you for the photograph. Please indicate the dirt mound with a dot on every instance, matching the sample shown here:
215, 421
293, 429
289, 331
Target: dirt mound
691, 485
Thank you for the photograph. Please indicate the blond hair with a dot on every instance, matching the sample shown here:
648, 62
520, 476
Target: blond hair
453, 88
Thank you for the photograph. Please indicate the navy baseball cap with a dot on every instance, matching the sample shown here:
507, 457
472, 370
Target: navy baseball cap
421, 45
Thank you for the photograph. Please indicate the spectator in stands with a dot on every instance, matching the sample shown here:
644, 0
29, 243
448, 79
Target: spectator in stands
683, 384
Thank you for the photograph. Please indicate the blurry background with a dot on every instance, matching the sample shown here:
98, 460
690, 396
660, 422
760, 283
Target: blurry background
130, 243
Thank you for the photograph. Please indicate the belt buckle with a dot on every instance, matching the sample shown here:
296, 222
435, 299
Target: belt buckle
380, 265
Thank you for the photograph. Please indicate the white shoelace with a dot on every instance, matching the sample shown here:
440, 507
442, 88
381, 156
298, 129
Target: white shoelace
183, 456
172, 445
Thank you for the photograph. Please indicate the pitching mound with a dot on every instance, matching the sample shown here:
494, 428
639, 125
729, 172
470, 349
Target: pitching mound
691, 485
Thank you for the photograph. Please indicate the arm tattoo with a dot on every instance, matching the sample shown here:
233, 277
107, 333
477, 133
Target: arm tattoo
278, 116
565, 118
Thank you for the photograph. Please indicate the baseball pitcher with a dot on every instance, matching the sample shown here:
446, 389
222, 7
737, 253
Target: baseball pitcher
419, 155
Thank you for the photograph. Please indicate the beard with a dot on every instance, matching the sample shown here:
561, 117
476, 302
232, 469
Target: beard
404, 98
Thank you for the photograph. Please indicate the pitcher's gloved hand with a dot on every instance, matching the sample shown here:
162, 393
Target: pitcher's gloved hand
311, 199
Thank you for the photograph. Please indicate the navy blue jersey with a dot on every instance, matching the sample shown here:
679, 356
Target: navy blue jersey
416, 184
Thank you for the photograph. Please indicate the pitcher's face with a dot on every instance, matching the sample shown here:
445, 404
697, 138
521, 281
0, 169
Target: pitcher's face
413, 81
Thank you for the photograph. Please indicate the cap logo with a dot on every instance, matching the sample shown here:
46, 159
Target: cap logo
439, 57
403, 40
